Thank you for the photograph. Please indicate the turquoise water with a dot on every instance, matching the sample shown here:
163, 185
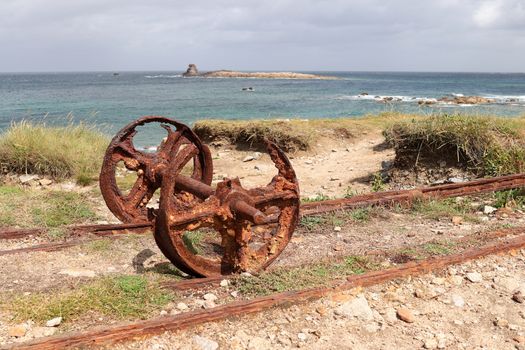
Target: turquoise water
112, 101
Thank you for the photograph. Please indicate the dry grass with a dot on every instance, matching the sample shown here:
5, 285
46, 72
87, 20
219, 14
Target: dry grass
60, 152
486, 145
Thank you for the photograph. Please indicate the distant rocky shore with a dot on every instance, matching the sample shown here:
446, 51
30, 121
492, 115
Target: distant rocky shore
192, 71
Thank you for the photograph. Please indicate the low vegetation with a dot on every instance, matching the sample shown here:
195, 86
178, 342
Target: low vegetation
122, 297
51, 209
485, 145
72, 151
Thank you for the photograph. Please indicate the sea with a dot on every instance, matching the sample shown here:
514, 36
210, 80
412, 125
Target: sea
110, 100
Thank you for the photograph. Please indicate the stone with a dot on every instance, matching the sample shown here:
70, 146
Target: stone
209, 296
337, 228
234, 294
203, 343
390, 315
182, 306
209, 304
357, 307
258, 343
509, 284
405, 315
78, 273
519, 339
24, 179
518, 297
457, 220
487, 209
430, 343
301, 336
224, 283
501, 322
457, 300
248, 159
45, 182
17, 331
455, 280
54, 322
257, 155
39, 332
474, 277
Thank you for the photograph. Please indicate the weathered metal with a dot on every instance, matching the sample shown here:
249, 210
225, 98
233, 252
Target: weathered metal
180, 147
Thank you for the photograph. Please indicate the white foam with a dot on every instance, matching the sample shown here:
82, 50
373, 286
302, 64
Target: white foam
162, 76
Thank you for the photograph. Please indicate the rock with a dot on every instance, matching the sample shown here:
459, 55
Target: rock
182, 306
457, 220
209, 304
163, 312
357, 307
209, 296
509, 284
488, 210
520, 339
248, 159
45, 182
25, 179
337, 228
466, 100
501, 322
518, 297
308, 162
54, 322
390, 315
258, 343
430, 343
204, 343
39, 332
234, 294
225, 283
192, 71
474, 277
17, 331
301, 336
405, 315
77, 273
458, 300
257, 155
455, 280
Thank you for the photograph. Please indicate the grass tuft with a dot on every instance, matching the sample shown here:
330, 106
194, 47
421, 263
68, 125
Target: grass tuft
486, 145
121, 297
72, 151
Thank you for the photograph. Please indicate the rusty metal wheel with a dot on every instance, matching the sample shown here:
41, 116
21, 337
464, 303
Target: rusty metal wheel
237, 242
181, 147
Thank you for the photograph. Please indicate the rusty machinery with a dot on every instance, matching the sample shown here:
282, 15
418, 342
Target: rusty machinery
247, 228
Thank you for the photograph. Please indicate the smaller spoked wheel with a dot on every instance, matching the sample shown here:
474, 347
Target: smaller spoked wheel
129, 177
211, 239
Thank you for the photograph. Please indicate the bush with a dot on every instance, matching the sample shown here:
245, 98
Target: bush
60, 152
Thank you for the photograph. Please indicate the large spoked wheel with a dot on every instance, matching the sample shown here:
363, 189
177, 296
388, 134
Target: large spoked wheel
236, 244
181, 148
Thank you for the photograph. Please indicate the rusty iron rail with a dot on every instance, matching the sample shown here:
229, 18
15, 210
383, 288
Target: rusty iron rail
159, 325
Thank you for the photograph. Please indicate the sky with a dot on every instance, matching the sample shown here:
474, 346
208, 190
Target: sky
300, 35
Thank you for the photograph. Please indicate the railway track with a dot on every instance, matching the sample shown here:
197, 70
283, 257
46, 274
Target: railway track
158, 325
386, 198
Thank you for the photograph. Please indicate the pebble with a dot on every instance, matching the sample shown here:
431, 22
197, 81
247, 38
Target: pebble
248, 159
518, 297
54, 322
488, 210
17, 331
357, 307
458, 300
78, 273
27, 178
182, 306
301, 336
457, 220
430, 343
474, 277
45, 182
209, 297
224, 283
501, 322
39, 332
405, 315
204, 343
337, 228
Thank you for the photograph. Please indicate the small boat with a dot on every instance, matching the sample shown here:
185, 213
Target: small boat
247, 89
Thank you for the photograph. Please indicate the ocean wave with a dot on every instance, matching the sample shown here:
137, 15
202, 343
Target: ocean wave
161, 76
386, 98
506, 98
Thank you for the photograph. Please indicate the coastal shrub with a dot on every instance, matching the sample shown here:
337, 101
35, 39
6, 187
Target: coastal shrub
486, 145
72, 151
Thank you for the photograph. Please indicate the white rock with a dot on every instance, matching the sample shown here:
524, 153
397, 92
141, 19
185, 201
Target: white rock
204, 343
458, 300
163, 312
358, 307
209, 296
337, 228
77, 273
39, 332
257, 155
225, 283
390, 315
248, 159
301, 336
54, 322
27, 178
474, 277
182, 306
488, 209
234, 294
430, 343
209, 304
45, 182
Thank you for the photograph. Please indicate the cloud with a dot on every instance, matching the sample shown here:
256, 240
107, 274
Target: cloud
38, 35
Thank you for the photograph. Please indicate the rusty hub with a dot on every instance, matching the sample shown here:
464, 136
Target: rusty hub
178, 149
253, 226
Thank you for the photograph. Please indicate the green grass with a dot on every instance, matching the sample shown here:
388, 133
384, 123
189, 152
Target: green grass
122, 297
486, 145
51, 209
317, 198
360, 214
72, 151
509, 197
193, 240
437, 248
307, 276
436, 209
311, 223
